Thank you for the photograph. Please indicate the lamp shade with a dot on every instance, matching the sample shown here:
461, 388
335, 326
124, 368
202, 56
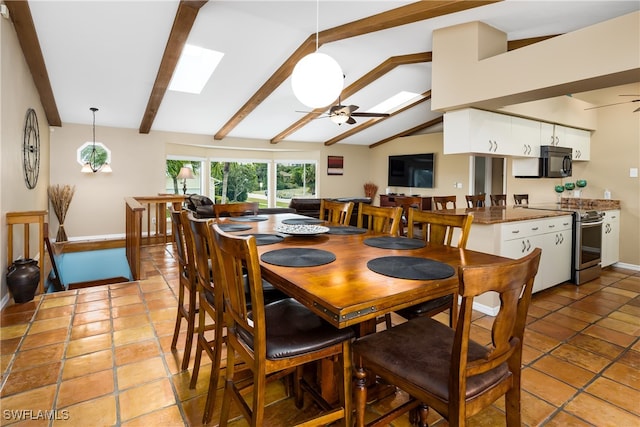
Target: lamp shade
339, 118
185, 173
317, 80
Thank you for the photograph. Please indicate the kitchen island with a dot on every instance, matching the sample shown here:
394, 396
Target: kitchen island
514, 232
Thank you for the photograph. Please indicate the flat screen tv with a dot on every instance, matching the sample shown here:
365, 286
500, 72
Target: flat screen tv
413, 170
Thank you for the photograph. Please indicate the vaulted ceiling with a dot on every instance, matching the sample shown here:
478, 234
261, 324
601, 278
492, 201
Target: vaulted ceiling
120, 57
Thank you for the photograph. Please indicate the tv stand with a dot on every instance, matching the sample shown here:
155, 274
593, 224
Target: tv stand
423, 203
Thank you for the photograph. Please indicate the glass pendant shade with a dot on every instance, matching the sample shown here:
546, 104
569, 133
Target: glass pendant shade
317, 80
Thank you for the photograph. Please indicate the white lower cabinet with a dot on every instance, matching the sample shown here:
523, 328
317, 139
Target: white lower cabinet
517, 239
611, 238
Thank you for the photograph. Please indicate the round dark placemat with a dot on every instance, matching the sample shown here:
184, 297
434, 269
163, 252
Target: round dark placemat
388, 242
414, 268
265, 239
298, 257
234, 227
248, 218
299, 221
346, 229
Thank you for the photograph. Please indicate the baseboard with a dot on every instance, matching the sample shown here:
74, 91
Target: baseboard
624, 265
5, 301
485, 309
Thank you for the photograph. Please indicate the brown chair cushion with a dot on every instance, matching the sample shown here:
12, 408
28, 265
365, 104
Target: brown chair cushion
292, 330
425, 307
420, 351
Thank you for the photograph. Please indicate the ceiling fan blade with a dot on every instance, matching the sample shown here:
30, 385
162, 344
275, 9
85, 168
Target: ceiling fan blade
630, 95
352, 108
636, 110
351, 121
609, 105
371, 114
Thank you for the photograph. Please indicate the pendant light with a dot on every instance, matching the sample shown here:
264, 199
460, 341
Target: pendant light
91, 165
317, 79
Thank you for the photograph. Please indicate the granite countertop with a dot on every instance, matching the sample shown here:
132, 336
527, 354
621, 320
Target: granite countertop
500, 214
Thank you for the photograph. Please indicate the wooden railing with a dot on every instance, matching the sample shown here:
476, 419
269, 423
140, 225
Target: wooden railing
26, 219
146, 223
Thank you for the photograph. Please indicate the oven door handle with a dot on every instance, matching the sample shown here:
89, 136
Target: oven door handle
591, 223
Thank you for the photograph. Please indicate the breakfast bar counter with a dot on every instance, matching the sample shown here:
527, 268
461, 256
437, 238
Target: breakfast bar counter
500, 214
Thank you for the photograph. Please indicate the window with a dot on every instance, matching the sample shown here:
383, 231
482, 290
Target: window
240, 181
173, 185
103, 154
295, 180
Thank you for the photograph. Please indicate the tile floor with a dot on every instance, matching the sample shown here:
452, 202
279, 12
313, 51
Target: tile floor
101, 356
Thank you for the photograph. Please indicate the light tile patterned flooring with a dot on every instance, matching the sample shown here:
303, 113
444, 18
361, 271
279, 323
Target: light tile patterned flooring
101, 356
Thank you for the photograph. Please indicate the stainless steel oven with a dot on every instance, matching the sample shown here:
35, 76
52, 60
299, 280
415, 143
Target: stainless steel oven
587, 246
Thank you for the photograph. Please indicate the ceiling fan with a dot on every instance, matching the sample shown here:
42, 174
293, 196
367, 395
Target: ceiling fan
618, 103
340, 114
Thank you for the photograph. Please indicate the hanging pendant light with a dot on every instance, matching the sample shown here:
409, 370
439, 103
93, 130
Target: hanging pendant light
317, 79
91, 165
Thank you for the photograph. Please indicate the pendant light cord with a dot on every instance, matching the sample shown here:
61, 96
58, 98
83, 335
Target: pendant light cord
317, 21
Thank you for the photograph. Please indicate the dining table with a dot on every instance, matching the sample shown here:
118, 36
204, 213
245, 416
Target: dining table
350, 276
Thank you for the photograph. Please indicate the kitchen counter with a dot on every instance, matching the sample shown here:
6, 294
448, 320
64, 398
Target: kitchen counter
500, 214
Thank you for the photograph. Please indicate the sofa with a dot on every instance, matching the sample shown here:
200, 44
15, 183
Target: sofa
202, 207
311, 207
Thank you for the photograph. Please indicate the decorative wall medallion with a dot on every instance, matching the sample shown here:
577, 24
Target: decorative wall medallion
31, 149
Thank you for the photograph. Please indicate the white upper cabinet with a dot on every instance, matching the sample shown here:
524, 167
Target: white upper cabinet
483, 132
562, 136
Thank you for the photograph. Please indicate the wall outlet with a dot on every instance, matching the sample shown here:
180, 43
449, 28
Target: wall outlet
633, 172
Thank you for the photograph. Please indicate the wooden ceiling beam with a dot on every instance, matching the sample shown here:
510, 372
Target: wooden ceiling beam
182, 24
359, 84
408, 14
411, 131
20, 14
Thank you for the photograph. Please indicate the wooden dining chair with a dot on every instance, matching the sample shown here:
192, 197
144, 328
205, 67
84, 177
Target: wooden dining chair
520, 199
187, 290
273, 338
380, 219
443, 202
498, 199
210, 309
475, 201
437, 229
441, 367
336, 212
235, 209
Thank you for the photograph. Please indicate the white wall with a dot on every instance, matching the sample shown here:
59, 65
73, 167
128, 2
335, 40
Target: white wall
17, 94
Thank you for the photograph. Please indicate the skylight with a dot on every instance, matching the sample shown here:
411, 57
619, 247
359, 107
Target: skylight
396, 101
195, 66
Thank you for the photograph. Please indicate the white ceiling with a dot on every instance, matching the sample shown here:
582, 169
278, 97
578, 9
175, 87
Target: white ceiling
106, 54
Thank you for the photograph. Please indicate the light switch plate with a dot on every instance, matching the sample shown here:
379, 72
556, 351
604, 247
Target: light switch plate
633, 172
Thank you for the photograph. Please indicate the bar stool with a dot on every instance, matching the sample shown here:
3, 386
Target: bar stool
442, 202
475, 201
520, 199
498, 199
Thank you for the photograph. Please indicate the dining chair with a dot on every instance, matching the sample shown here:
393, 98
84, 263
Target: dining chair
498, 199
520, 199
475, 201
406, 203
380, 219
336, 212
437, 229
187, 290
442, 202
441, 367
235, 209
273, 338
210, 309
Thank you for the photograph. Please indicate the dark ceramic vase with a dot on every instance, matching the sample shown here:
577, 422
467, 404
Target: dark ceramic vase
23, 277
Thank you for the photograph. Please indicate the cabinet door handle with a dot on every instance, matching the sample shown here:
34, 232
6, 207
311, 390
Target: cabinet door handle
552, 226
515, 231
557, 239
524, 246
557, 140
528, 245
534, 228
565, 223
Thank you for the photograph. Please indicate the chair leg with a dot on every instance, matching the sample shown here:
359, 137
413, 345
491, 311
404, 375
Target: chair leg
360, 395
297, 389
215, 373
346, 392
202, 341
179, 316
387, 321
228, 389
191, 324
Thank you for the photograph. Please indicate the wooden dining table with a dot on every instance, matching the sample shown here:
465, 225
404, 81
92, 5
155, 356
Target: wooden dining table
346, 292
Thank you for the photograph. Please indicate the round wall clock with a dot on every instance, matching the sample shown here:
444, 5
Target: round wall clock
31, 149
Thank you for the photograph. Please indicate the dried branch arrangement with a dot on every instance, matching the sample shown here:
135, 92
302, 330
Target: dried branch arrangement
370, 189
60, 196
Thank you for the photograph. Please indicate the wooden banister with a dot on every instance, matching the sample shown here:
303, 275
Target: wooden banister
26, 219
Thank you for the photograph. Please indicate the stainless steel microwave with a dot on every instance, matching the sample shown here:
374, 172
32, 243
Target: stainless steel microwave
555, 162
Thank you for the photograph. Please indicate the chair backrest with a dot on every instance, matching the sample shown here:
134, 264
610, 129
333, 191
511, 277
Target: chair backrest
204, 258
237, 263
336, 212
513, 281
235, 209
442, 202
438, 228
498, 199
380, 219
177, 230
519, 199
476, 201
